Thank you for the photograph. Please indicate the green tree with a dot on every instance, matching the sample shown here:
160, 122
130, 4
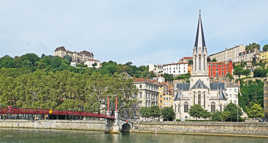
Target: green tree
197, 111
217, 116
155, 111
168, 77
7, 62
168, 114
265, 47
255, 111
260, 72
252, 46
235, 112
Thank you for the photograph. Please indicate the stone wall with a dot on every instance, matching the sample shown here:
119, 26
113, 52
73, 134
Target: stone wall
204, 128
55, 124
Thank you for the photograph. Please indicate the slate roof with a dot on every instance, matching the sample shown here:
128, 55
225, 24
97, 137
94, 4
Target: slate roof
217, 86
199, 85
200, 38
178, 96
222, 95
183, 86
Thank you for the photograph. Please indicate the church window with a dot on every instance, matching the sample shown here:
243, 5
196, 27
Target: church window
179, 108
199, 62
175, 108
185, 107
204, 62
199, 97
213, 107
195, 63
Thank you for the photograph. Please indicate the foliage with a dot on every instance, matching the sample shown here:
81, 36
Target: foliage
153, 111
239, 70
232, 113
217, 116
255, 111
265, 47
229, 76
214, 60
197, 111
251, 93
252, 46
168, 114
168, 77
183, 76
260, 72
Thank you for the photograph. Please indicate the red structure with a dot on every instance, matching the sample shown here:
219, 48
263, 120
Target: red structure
220, 69
11, 110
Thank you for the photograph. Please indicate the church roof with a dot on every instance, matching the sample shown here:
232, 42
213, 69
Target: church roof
199, 85
183, 86
222, 95
217, 86
178, 96
200, 38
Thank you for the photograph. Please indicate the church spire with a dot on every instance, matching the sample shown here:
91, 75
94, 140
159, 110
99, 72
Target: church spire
200, 39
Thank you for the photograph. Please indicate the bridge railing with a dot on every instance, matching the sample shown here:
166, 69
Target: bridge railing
11, 110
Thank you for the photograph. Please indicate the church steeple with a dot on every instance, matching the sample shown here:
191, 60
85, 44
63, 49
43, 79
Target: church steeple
200, 51
200, 39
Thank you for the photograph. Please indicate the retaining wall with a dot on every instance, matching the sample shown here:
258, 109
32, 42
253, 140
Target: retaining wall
204, 128
55, 124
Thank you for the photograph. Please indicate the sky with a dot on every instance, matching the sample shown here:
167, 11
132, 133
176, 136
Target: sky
141, 31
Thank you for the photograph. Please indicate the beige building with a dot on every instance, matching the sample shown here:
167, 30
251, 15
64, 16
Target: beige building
235, 54
148, 93
83, 57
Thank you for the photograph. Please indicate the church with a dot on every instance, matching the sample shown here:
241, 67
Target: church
211, 95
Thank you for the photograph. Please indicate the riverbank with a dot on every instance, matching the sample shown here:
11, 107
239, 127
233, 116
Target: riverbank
183, 128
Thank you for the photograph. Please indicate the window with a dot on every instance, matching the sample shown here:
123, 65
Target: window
213, 107
199, 97
140, 94
199, 62
194, 98
185, 107
140, 86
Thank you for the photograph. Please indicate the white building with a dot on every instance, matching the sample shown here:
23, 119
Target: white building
212, 96
93, 63
175, 68
147, 92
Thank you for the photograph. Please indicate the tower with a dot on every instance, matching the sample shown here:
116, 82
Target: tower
200, 51
200, 65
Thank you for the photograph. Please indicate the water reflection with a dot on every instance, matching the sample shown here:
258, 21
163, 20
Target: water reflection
52, 136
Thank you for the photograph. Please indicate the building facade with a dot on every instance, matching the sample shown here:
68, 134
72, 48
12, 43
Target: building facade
83, 57
148, 92
175, 68
219, 69
212, 96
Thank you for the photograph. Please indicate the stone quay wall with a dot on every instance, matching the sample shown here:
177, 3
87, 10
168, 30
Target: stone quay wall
204, 128
91, 125
191, 128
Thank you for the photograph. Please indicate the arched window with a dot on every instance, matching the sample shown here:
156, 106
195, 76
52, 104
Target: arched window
199, 97
185, 107
213, 107
199, 62
195, 68
175, 107
179, 106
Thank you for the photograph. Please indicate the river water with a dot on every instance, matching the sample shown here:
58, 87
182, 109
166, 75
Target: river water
52, 136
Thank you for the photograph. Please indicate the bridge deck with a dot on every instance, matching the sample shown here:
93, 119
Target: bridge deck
52, 112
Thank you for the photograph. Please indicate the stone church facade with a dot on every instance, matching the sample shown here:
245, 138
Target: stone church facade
211, 95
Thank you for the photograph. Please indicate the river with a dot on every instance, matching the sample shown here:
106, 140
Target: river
56, 136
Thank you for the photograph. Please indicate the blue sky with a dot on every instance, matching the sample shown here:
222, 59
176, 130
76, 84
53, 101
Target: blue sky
141, 31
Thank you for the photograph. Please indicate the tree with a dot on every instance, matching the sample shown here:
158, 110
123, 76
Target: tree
67, 58
196, 111
232, 112
214, 60
145, 112
265, 47
255, 111
168, 77
155, 111
217, 116
252, 46
260, 72
168, 114
7, 62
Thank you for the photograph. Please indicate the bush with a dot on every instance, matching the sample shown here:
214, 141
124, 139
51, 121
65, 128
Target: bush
168, 114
